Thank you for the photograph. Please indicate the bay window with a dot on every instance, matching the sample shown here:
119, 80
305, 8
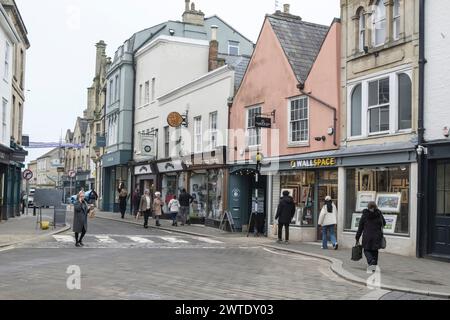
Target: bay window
381, 105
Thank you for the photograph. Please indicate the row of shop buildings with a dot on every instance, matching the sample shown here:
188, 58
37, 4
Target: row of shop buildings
357, 111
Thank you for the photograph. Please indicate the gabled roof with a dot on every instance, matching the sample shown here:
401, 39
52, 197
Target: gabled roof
49, 154
300, 40
239, 65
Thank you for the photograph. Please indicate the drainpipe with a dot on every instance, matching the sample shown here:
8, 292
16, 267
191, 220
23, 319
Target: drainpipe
421, 212
301, 87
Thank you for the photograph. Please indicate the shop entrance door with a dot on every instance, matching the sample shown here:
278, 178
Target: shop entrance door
327, 186
441, 225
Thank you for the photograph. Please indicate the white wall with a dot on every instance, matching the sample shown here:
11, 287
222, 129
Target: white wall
173, 62
5, 84
437, 70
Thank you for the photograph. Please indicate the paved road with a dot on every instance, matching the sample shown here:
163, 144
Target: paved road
123, 261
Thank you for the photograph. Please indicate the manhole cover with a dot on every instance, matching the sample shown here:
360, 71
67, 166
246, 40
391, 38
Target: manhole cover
430, 282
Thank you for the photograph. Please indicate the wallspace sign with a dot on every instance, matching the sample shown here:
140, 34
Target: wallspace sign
313, 163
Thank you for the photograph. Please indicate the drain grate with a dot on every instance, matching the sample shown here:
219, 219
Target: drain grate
430, 282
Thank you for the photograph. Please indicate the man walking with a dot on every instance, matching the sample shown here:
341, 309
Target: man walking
145, 207
185, 201
285, 214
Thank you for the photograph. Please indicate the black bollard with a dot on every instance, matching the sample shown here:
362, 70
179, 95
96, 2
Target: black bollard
34, 211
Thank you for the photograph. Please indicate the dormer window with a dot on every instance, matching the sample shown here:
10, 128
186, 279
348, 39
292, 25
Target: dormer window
233, 48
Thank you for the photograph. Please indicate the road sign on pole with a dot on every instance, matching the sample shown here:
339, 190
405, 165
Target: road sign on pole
28, 175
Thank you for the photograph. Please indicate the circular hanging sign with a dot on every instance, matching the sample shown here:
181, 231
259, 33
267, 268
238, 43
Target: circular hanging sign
175, 120
72, 174
148, 149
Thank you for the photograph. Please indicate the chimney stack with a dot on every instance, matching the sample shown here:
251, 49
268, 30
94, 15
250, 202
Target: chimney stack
188, 4
213, 50
287, 8
193, 16
101, 53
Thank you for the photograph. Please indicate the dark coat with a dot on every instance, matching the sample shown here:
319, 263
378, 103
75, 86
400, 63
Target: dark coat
286, 210
370, 227
80, 218
185, 199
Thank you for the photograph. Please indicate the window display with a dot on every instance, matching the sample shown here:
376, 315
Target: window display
388, 187
199, 191
215, 194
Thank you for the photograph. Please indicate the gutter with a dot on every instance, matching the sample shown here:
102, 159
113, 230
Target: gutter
421, 213
301, 87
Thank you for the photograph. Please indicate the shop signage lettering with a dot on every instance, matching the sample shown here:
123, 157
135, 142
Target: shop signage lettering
314, 163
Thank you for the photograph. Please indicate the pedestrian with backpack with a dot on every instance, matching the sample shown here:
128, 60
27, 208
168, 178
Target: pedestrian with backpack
174, 208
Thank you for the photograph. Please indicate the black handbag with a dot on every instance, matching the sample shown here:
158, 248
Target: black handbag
357, 252
383, 243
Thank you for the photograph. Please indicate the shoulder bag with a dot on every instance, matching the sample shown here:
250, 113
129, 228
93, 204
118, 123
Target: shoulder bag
383, 244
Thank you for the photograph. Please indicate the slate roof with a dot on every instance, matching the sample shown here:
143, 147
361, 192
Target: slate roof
239, 65
300, 40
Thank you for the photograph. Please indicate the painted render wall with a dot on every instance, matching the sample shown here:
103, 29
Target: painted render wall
270, 82
437, 70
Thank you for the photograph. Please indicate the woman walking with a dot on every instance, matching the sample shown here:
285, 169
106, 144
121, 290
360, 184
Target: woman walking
174, 208
123, 194
328, 221
371, 228
145, 207
157, 207
80, 219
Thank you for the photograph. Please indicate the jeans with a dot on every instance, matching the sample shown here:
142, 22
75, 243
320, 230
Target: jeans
372, 257
280, 231
147, 215
174, 216
325, 236
184, 212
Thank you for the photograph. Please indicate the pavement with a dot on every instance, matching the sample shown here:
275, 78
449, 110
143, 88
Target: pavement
25, 229
404, 275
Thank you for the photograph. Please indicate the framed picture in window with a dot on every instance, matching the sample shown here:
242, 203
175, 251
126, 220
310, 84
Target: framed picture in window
389, 202
356, 218
391, 223
363, 199
365, 181
405, 196
304, 194
293, 192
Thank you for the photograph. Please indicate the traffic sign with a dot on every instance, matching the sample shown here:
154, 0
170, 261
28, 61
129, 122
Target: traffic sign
72, 174
28, 175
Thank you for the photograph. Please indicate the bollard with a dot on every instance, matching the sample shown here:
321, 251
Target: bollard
34, 211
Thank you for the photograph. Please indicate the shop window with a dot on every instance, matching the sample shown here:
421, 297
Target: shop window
199, 190
215, 194
443, 189
389, 187
301, 186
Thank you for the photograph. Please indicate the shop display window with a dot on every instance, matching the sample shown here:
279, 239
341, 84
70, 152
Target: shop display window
199, 190
215, 194
389, 187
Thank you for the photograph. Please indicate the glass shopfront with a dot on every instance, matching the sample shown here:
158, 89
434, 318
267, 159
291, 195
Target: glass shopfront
206, 186
309, 188
389, 187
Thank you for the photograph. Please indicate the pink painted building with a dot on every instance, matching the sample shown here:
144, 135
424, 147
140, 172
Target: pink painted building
293, 79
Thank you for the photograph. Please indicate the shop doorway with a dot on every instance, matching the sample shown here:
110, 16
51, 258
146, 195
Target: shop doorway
327, 186
441, 212
258, 209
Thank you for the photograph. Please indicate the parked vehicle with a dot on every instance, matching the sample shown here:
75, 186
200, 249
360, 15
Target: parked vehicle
31, 198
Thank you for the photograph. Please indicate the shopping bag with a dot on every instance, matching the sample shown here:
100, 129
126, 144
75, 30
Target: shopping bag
275, 229
357, 252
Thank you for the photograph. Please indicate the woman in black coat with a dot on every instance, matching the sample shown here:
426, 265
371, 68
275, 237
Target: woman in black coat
123, 196
285, 214
370, 227
80, 219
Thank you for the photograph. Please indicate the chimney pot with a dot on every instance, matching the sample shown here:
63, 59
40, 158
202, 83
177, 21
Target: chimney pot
214, 33
193, 6
287, 8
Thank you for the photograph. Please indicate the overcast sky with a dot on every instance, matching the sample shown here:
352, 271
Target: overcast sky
61, 60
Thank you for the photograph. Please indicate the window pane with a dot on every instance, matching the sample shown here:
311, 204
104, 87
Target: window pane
404, 102
447, 202
440, 177
384, 91
384, 119
447, 178
356, 113
374, 120
373, 93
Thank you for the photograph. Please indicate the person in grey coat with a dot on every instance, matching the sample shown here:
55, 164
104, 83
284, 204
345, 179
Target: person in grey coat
80, 219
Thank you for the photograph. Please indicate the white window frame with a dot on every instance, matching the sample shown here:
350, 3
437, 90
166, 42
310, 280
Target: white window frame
396, 20
4, 119
303, 142
111, 91
117, 89
379, 106
166, 142
393, 104
147, 93
376, 20
362, 31
7, 60
141, 97
247, 128
231, 44
198, 135
213, 130
153, 89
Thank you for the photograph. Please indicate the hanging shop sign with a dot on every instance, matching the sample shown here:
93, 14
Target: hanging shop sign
314, 163
142, 170
261, 122
175, 120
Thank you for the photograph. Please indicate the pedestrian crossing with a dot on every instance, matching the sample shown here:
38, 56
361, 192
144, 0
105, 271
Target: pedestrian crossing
131, 241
